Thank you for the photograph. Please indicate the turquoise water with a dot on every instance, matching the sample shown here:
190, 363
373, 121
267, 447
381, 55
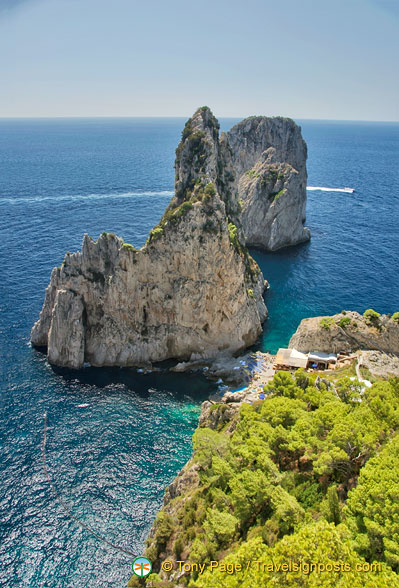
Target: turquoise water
352, 259
111, 460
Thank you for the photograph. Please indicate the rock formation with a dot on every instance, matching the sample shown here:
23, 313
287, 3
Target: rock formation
191, 291
347, 331
269, 159
380, 365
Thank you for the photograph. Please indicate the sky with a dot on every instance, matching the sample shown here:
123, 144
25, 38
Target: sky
320, 59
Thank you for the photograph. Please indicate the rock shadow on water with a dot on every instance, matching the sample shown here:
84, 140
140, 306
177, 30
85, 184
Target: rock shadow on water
290, 256
183, 388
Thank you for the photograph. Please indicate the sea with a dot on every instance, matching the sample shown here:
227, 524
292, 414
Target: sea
117, 437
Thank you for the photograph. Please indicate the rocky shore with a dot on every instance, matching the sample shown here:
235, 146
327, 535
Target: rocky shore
348, 331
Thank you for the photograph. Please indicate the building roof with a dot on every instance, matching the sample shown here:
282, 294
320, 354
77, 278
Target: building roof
291, 358
324, 357
296, 359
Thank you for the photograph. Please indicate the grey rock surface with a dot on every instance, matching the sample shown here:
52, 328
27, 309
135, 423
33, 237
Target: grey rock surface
326, 334
269, 160
66, 337
379, 364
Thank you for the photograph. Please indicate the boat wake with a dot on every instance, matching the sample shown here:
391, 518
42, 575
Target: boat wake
323, 189
30, 199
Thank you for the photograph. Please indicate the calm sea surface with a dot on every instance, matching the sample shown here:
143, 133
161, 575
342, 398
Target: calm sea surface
111, 460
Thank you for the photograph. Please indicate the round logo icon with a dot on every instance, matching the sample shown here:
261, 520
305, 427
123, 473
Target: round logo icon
141, 567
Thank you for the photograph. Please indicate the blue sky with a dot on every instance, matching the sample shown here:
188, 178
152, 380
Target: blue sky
333, 59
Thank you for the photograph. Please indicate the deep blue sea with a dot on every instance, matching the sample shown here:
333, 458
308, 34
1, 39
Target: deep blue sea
111, 461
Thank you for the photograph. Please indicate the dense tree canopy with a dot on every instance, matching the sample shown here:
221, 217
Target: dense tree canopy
275, 482
316, 543
373, 507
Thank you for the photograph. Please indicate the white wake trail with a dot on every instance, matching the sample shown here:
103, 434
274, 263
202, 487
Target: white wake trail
324, 189
73, 197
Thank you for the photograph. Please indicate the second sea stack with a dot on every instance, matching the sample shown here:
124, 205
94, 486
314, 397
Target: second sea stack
269, 157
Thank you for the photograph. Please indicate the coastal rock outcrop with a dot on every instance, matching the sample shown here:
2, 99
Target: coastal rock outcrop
379, 364
348, 331
190, 292
269, 160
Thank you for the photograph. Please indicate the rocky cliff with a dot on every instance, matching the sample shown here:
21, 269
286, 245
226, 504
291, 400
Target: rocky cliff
269, 159
348, 331
191, 291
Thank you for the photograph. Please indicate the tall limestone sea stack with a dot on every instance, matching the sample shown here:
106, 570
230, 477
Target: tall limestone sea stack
192, 291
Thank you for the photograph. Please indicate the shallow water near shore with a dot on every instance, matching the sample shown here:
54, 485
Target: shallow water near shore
111, 460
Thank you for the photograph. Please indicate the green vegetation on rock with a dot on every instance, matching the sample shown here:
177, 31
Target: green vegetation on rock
278, 195
129, 247
233, 235
371, 316
327, 322
155, 234
277, 482
344, 322
172, 216
252, 268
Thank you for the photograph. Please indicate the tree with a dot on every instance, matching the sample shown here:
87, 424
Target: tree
334, 511
207, 443
251, 496
284, 462
383, 399
315, 543
348, 390
220, 527
283, 384
371, 316
373, 507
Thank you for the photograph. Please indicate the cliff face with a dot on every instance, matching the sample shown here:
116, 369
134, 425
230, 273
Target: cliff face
269, 159
191, 291
347, 332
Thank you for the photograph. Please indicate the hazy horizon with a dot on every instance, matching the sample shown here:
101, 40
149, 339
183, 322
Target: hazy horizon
185, 117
